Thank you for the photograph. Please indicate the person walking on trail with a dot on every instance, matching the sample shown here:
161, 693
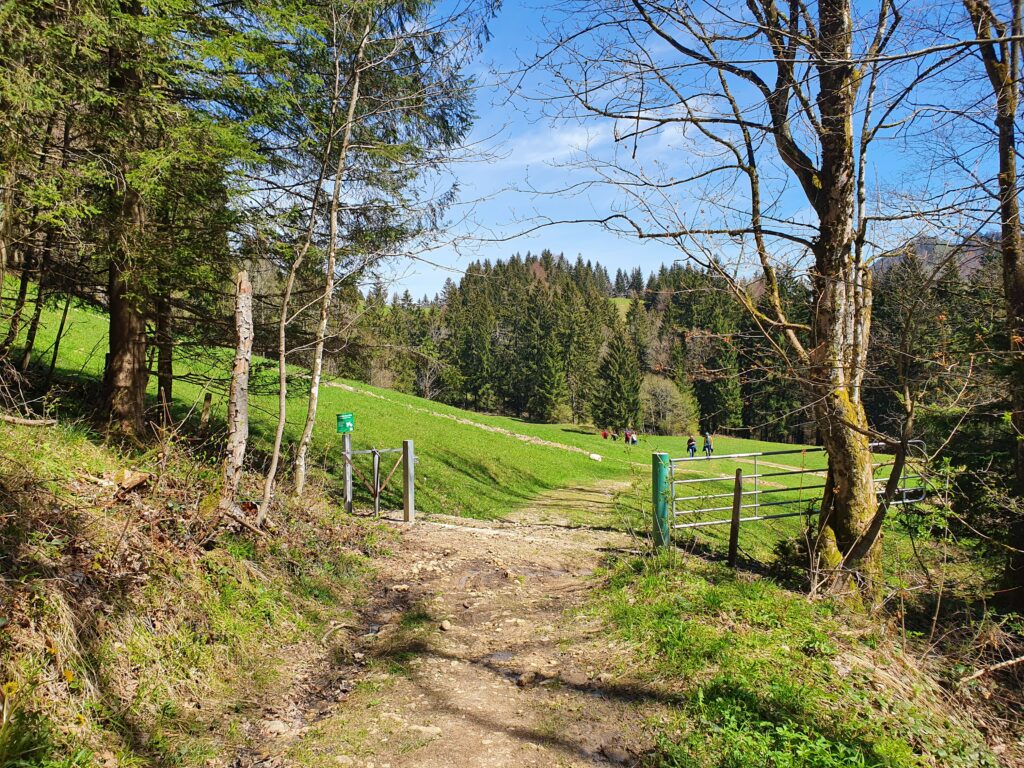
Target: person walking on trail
633, 438
627, 437
708, 447
691, 446
604, 434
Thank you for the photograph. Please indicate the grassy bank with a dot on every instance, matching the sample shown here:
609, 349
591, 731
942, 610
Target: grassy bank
761, 677
130, 636
471, 464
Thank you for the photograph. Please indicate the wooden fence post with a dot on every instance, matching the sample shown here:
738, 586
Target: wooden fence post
346, 449
408, 481
734, 529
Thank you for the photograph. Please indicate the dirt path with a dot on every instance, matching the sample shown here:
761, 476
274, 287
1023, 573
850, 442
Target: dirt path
476, 654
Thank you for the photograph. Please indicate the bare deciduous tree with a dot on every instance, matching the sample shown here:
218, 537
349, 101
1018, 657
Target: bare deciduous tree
1000, 50
764, 114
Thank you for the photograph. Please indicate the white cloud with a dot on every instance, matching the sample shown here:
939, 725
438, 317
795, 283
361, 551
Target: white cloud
552, 145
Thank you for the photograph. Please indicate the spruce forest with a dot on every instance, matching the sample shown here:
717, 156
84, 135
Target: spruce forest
404, 383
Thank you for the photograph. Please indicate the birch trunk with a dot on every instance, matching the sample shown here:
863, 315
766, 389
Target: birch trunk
269, 482
238, 398
316, 370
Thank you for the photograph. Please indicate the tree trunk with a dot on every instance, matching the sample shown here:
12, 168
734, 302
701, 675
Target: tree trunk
1002, 67
127, 372
33, 328
316, 369
1013, 288
238, 398
37, 311
165, 350
14, 324
282, 328
841, 320
46, 259
56, 343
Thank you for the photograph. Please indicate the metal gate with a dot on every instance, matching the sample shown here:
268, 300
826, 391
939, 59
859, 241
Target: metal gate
694, 492
374, 483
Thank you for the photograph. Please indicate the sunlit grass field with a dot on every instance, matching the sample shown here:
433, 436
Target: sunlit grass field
481, 465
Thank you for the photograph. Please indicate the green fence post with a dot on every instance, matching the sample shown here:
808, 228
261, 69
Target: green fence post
660, 490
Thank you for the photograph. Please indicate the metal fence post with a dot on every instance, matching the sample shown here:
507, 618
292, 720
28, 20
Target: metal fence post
734, 529
660, 490
376, 483
346, 448
408, 481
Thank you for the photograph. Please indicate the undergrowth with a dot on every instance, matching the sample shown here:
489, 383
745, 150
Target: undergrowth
136, 629
765, 677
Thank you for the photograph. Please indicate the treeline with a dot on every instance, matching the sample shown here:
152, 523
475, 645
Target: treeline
149, 152
540, 337
548, 339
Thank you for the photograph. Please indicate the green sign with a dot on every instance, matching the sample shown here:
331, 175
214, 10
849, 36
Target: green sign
346, 423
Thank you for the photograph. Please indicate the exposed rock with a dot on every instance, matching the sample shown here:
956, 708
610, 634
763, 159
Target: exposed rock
615, 754
527, 678
277, 727
428, 731
574, 678
446, 625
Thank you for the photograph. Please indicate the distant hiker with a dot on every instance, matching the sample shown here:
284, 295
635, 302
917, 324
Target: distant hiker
615, 435
708, 448
635, 439
691, 446
627, 437
604, 434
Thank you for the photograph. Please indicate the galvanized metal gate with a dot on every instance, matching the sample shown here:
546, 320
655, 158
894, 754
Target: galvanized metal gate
692, 492
374, 484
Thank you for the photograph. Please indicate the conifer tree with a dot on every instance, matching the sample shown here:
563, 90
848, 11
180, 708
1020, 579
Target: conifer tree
548, 398
618, 401
581, 342
638, 325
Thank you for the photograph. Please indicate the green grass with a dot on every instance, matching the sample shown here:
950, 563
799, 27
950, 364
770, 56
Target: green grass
621, 303
463, 469
763, 677
465, 466
184, 625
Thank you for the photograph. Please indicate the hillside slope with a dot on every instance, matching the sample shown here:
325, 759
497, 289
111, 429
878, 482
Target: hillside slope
471, 464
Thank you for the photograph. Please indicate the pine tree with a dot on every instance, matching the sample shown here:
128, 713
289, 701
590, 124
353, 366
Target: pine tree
636, 281
618, 401
621, 283
581, 339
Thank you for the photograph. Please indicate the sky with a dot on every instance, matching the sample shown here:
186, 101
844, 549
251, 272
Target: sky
518, 149
518, 157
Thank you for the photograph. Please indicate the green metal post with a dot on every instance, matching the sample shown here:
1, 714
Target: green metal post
660, 490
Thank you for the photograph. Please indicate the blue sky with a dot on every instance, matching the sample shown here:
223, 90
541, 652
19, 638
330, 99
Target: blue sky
519, 157
521, 149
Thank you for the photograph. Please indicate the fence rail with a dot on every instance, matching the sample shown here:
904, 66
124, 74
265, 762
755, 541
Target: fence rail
680, 502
